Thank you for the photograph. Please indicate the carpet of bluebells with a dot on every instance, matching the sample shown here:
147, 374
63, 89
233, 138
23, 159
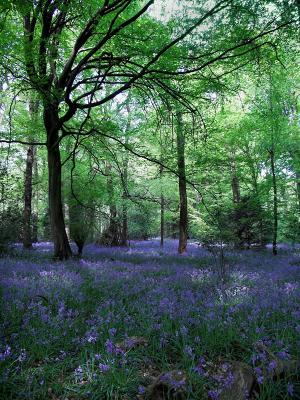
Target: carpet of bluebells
61, 323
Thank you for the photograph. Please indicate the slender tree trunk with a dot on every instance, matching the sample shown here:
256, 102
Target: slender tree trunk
92, 214
124, 240
35, 216
113, 231
66, 211
275, 202
183, 217
35, 227
27, 237
30, 161
62, 249
298, 186
124, 232
113, 226
162, 210
235, 184
1, 104
236, 197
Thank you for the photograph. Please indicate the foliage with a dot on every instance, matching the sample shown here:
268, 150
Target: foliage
10, 211
10, 217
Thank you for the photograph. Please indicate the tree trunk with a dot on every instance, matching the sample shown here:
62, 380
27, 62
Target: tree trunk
62, 249
27, 237
124, 231
30, 162
66, 211
124, 239
298, 188
35, 236
162, 210
183, 217
34, 214
235, 184
113, 223
111, 234
79, 245
275, 203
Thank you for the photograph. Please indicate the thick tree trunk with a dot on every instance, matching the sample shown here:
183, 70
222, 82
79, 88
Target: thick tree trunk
27, 236
62, 249
275, 202
183, 217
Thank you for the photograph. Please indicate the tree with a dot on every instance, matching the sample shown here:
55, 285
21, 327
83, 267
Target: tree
183, 217
74, 74
30, 161
76, 82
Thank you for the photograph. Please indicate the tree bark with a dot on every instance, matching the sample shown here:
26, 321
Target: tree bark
35, 236
124, 231
62, 249
27, 236
34, 214
162, 210
275, 202
113, 223
111, 235
298, 188
235, 184
183, 217
30, 161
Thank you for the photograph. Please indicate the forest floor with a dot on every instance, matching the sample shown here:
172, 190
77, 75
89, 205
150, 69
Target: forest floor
132, 323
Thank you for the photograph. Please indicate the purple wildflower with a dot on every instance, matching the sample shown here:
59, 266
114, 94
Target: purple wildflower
188, 351
290, 389
112, 332
104, 367
109, 346
141, 390
23, 356
6, 353
92, 337
79, 373
259, 375
284, 354
272, 366
214, 394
